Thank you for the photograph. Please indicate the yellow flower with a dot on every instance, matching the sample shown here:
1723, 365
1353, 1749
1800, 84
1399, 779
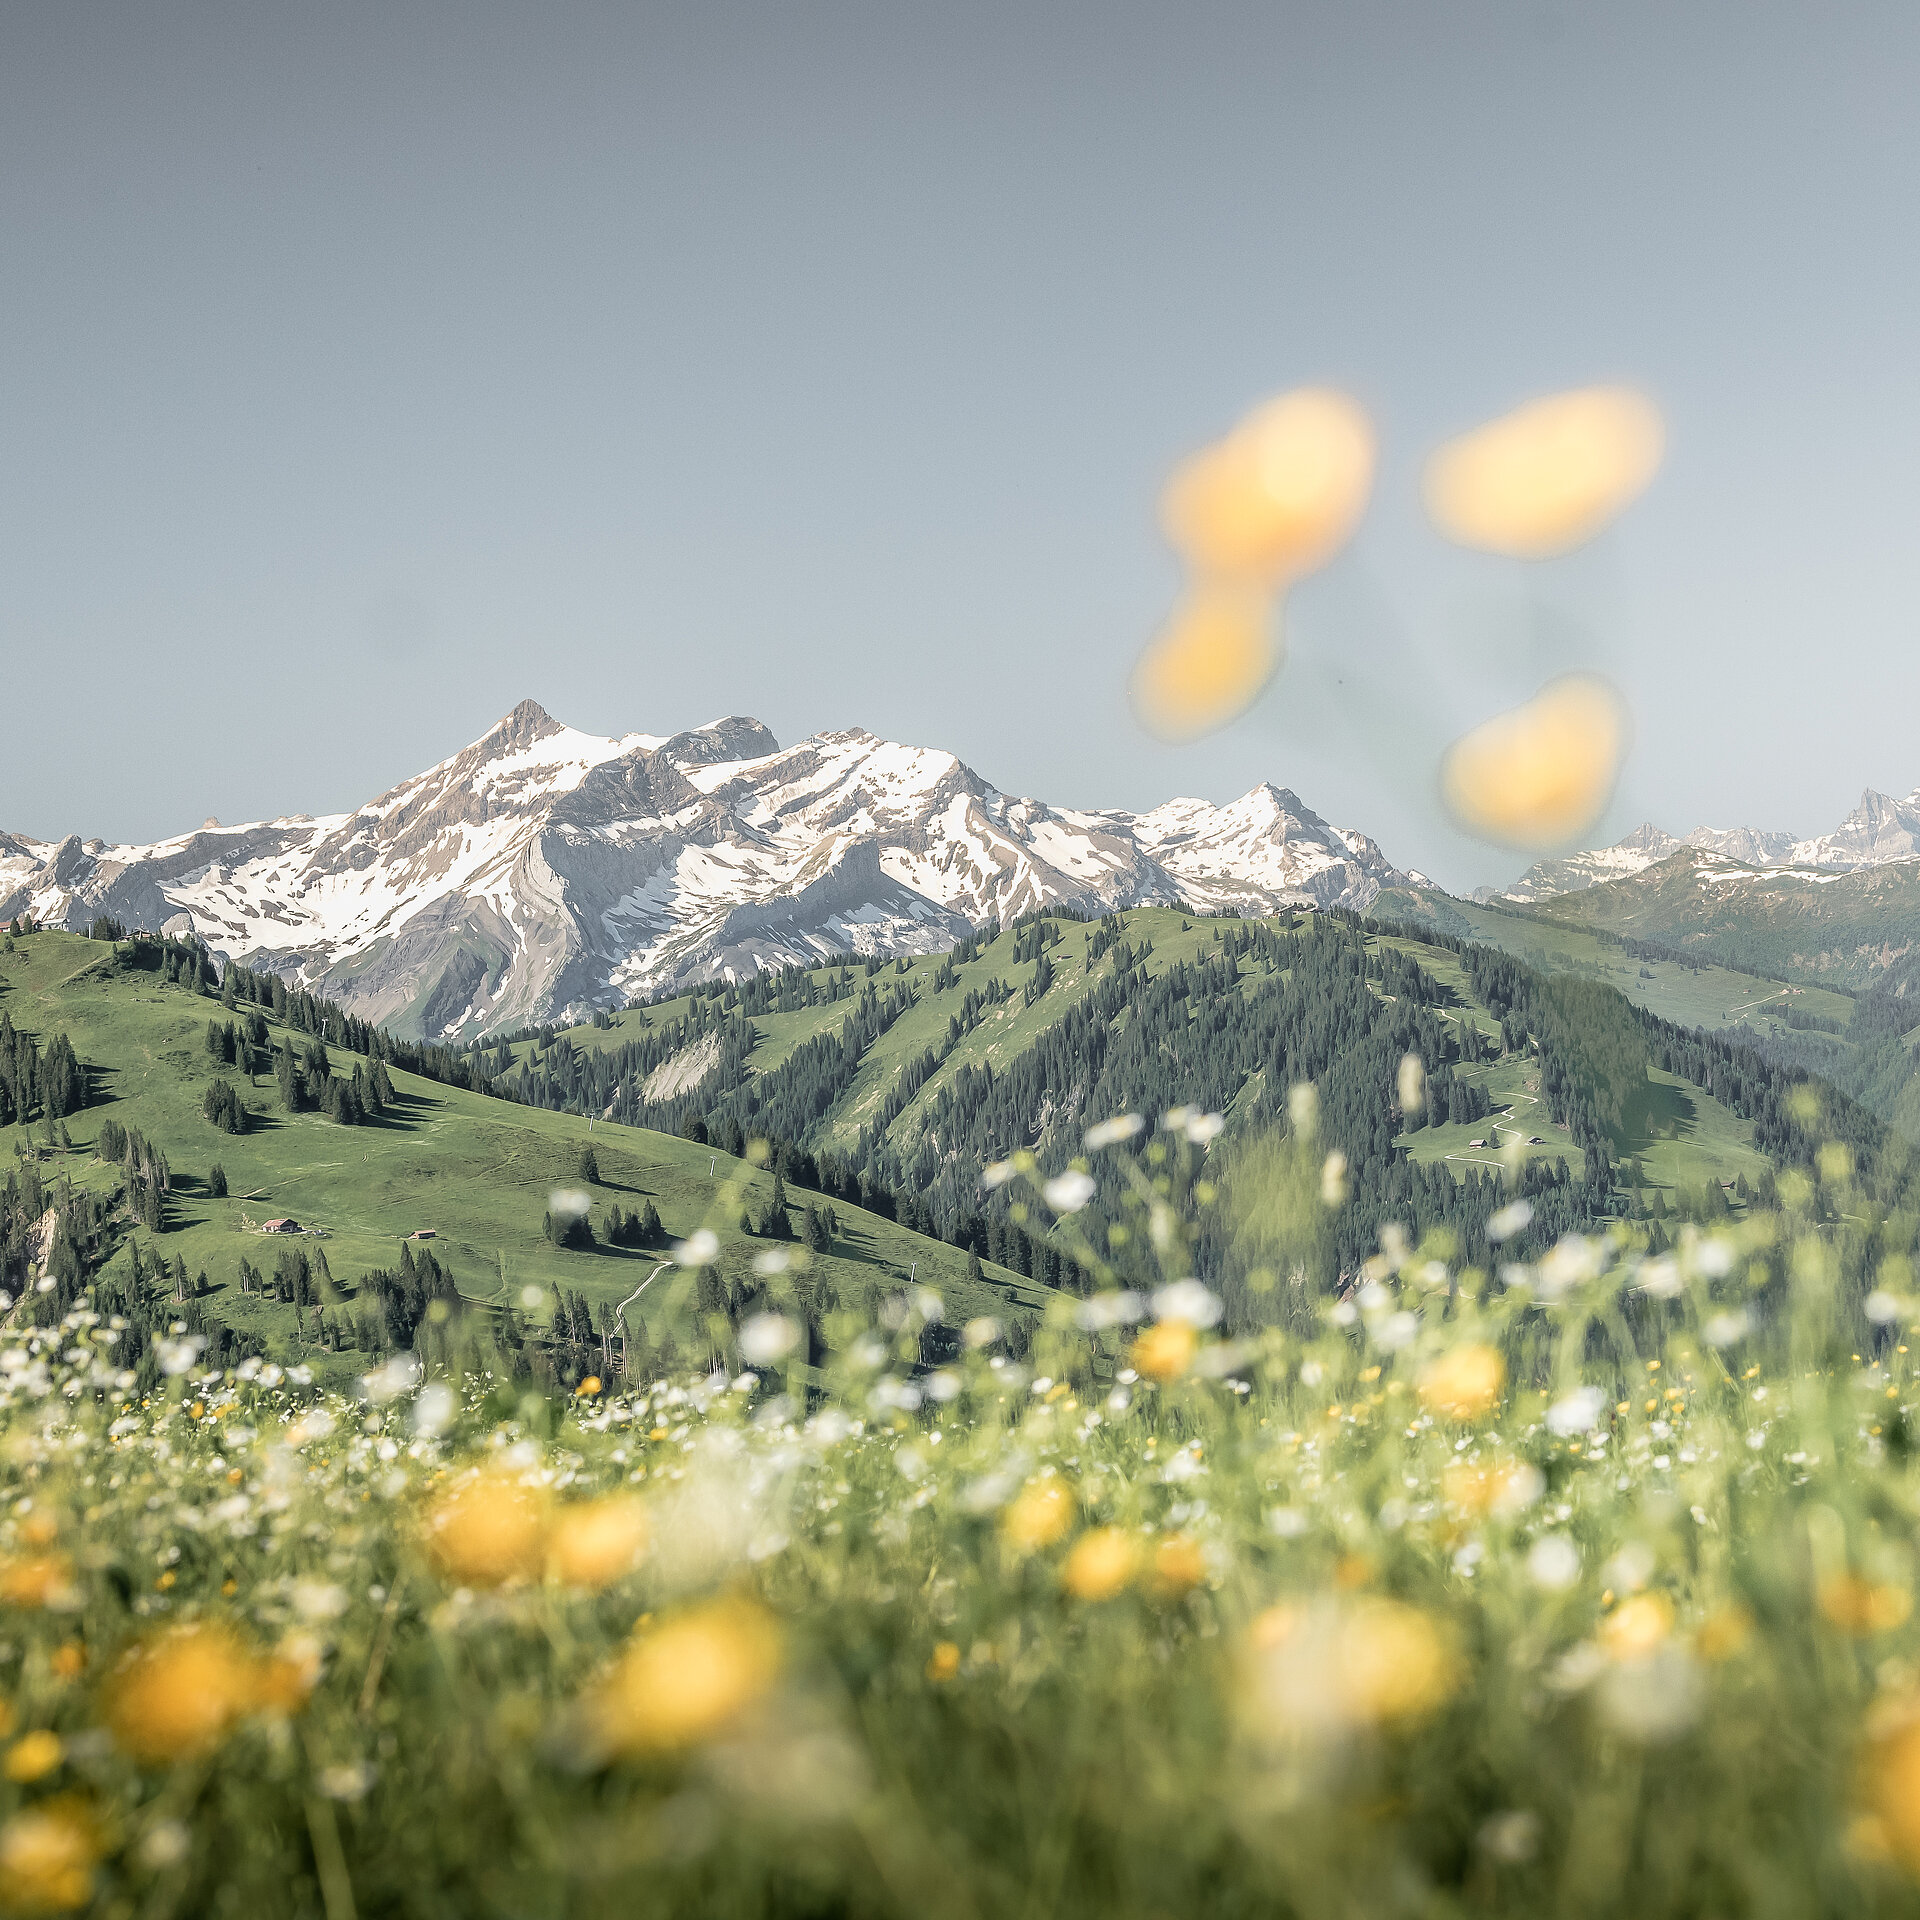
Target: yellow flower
40, 1529
686, 1677
1863, 1606
1166, 1351
68, 1660
488, 1531
587, 1387
1342, 1664
598, 1542
34, 1755
1635, 1627
1724, 1632
1178, 1563
180, 1694
1466, 1383
46, 1859
1279, 496
1890, 1782
1210, 661
1549, 475
286, 1678
1100, 1564
1037, 1516
35, 1579
1542, 773
943, 1662
1506, 1488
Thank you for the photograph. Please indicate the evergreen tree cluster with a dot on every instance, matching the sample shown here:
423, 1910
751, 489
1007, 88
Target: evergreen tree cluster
149, 1178
50, 1085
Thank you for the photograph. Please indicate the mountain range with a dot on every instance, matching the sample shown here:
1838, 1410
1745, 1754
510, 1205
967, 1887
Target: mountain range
1880, 831
545, 872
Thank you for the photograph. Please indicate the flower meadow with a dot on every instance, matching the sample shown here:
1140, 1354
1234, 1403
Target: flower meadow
1581, 1586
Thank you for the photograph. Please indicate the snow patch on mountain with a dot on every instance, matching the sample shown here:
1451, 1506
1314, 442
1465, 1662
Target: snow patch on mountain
544, 871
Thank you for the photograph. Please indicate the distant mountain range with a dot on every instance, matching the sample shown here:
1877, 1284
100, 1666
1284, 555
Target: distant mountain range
1879, 832
545, 871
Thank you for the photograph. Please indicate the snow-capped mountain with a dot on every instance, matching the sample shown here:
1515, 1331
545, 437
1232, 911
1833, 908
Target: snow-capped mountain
1878, 832
544, 870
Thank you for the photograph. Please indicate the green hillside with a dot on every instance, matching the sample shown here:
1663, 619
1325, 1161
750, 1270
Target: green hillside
475, 1171
1816, 928
1024, 1038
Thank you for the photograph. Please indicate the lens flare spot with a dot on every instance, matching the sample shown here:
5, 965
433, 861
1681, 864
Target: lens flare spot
1537, 776
1210, 663
1279, 496
1550, 475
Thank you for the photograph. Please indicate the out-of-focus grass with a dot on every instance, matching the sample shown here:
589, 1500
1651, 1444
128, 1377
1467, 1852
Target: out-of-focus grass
1580, 1588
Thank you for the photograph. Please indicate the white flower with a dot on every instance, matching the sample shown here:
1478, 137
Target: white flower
433, 1411
1511, 1218
1725, 1328
390, 1381
1882, 1307
177, 1356
1661, 1278
1106, 1310
346, 1782
773, 1260
1188, 1300
1303, 1108
768, 1337
318, 1600
1109, 1133
698, 1249
1554, 1563
998, 1174
569, 1203
1068, 1192
1203, 1129
1333, 1180
1577, 1412
1413, 1083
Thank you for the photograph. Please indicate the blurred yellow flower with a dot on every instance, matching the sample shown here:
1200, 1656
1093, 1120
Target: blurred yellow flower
1279, 496
1542, 773
1635, 1627
488, 1531
1209, 663
1336, 1665
284, 1681
1724, 1632
34, 1755
68, 1660
180, 1694
1165, 1351
1178, 1563
47, 1854
36, 1579
1037, 1516
1464, 1383
1505, 1489
587, 1387
684, 1678
1100, 1564
40, 1529
1548, 476
598, 1542
1856, 1605
943, 1662
1890, 1780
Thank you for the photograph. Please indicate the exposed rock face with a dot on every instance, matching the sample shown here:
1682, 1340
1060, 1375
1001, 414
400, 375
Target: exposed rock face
544, 870
1878, 832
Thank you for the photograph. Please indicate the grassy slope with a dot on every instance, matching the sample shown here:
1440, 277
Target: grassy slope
1711, 996
1685, 1137
1680, 1136
1826, 929
477, 1171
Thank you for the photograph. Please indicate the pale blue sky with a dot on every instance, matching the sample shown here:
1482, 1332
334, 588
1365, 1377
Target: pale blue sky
364, 370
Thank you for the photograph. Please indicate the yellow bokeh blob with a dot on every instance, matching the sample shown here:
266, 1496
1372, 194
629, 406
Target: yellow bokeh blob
1537, 776
1279, 496
1548, 476
1210, 663
688, 1677
1464, 1383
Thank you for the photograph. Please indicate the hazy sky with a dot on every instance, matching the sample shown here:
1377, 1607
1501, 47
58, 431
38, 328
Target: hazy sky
365, 370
